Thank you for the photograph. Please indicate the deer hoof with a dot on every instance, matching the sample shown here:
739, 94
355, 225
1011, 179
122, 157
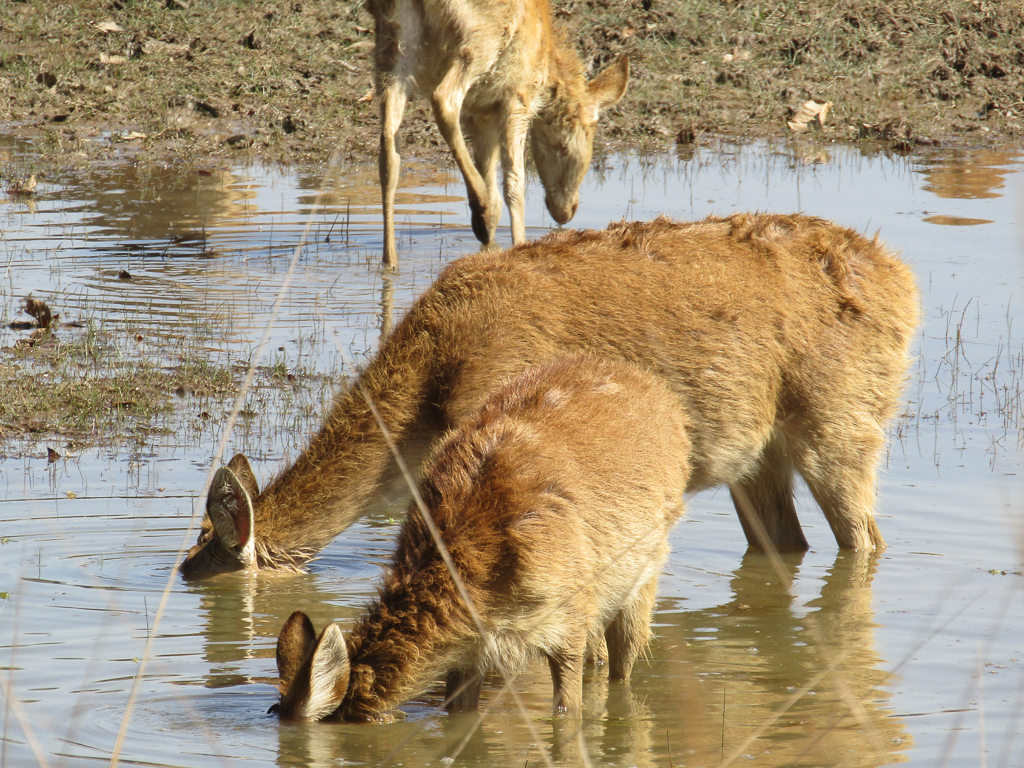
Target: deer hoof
482, 225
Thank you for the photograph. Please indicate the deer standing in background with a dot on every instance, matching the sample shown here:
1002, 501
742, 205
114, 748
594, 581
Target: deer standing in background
785, 339
495, 71
554, 503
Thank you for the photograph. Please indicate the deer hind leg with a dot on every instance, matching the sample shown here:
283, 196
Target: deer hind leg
630, 631
446, 101
462, 690
392, 105
566, 665
597, 649
764, 501
838, 463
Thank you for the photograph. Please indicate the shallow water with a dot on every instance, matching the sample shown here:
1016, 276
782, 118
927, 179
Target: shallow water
915, 656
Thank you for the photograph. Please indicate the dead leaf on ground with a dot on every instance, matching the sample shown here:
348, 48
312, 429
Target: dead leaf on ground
109, 26
811, 114
160, 48
736, 55
113, 60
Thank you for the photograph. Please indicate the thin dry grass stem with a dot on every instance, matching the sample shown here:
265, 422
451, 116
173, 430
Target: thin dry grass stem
1012, 726
774, 717
12, 704
450, 565
581, 743
81, 706
981, 710
172, 577
750, 515
26, 729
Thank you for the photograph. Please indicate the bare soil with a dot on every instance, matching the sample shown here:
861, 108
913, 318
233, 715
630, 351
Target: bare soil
202, 81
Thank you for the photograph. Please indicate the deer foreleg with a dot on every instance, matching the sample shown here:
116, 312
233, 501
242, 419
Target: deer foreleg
392, 105
484, 130
447, 101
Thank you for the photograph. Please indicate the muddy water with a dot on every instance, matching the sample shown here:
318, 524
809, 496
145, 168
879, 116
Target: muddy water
829, 659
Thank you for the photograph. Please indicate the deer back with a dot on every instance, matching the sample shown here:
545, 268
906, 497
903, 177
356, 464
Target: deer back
554, 504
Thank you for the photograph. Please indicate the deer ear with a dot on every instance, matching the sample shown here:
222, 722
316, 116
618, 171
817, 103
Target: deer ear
328, 674
229, 508
610, 84
295, 645
240, 466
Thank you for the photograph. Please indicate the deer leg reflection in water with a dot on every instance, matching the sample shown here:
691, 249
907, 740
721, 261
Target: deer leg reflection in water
754, 652
387, 305
802, 682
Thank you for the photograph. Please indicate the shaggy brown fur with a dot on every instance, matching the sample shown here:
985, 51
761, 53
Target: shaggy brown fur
496, 70
784, 337
554, 504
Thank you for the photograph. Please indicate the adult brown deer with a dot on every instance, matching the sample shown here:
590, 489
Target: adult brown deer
554, 505
495, 71
784, 337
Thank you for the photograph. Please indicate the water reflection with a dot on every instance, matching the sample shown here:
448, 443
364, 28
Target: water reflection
141, 203
968, 174
759, 677
716, 675
387, 305
791, 686
241, 615
956, 221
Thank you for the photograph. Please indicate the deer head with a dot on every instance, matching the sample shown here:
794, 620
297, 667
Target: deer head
562, 135
227, 540
314, 672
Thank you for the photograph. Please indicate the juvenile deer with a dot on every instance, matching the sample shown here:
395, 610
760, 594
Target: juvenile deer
495, 71
554, 504
785, 339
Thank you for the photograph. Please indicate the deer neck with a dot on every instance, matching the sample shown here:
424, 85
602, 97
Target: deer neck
411, 635
566, 85
348, 468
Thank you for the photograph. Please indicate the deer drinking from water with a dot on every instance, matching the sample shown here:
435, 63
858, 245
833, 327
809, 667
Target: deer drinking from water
785, 338
497, 72
554, 504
